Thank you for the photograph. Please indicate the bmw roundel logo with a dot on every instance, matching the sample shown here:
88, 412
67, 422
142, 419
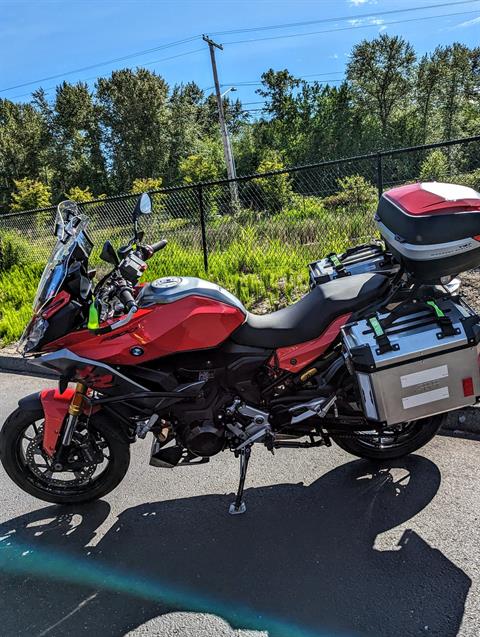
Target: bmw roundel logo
136, 351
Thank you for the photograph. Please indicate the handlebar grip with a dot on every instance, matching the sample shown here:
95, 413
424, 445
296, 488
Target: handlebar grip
156, 247
126, 297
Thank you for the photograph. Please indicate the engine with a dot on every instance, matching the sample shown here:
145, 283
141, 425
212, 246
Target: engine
204, 438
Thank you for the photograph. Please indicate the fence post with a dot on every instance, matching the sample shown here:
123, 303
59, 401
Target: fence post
201, 206
379, 175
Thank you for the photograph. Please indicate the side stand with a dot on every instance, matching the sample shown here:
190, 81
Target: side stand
239, 505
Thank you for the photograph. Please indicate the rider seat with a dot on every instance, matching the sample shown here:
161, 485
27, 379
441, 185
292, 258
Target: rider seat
309, 317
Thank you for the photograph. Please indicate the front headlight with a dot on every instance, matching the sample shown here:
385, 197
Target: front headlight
33, 334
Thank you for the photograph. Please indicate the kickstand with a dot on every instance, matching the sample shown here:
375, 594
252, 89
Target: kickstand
239, 505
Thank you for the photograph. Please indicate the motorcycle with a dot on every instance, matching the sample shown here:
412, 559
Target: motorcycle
372, 361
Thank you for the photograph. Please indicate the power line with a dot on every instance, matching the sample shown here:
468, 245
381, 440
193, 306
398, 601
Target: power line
353, 26
98, 64
340, 18
256, 83
95, 77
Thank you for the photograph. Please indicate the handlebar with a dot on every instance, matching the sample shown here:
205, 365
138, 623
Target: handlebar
126, 297
148, 251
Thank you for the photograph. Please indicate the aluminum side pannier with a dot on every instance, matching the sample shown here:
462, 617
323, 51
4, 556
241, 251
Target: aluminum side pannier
416, 361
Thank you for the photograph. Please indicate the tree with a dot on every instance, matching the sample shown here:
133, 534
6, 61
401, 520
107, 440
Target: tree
380, 72
30, 194
205, 165
21, 144
135, 121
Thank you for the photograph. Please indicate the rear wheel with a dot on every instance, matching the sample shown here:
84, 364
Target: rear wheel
98, 460
394, 442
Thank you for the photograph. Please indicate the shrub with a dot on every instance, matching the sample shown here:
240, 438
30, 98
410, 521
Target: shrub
273, 193
30, 194
14, 250
355, 194
472, 179
435, 167
147, 184
80, 195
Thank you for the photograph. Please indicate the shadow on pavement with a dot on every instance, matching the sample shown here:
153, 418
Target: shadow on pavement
302, 556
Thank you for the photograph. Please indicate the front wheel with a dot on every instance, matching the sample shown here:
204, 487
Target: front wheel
90, 476
394, 442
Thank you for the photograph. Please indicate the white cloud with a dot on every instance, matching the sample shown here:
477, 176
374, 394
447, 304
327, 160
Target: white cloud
334, 56
359, 3
469, 23
356, 22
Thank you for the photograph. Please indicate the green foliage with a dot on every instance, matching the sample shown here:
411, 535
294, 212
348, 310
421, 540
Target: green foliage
472, 179
132, 123
30, 194
435, 167
14, 250
204, 165
80, 195
355, 195
17, 290
145, 184
274, 192
381, 72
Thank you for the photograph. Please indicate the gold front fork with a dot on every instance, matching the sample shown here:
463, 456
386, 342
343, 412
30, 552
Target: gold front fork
76, 405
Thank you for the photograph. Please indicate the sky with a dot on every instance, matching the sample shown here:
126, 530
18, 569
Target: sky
44, 38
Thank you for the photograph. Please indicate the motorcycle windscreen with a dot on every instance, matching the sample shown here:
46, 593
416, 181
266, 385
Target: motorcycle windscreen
75, 243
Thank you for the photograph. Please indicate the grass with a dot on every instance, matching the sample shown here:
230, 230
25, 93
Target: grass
261, 259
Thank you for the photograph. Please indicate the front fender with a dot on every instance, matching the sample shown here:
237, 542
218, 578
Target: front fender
55, 407
31, 403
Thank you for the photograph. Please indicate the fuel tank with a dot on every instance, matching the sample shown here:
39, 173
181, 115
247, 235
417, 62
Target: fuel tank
176, 314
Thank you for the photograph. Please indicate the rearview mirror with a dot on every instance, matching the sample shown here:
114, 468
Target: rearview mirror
143, 206
109, 254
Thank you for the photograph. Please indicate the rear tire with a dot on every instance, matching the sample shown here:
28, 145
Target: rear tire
418, 434
12, 437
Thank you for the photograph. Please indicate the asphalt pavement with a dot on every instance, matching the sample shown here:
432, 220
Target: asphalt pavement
330, 545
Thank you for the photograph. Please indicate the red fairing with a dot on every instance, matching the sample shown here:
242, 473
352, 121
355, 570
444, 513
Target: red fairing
191, 323
434, 198
295, 357
55, 407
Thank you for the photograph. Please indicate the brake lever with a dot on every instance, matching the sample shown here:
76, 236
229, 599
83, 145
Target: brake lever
125, 320
115, 326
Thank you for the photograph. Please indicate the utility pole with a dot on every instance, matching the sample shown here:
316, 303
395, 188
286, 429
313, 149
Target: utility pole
227, 149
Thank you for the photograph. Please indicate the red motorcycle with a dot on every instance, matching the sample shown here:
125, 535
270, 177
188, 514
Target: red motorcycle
371, 361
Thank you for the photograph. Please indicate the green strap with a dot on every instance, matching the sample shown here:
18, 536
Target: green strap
377, 328
335, 260
92, 316
438, 311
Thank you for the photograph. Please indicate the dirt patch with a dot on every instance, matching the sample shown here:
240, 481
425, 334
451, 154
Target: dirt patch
9, 350
470, 288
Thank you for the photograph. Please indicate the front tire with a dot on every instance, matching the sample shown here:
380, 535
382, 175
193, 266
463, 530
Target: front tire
16, 457
411, 437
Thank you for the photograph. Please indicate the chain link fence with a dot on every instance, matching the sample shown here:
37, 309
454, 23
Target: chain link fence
289, 216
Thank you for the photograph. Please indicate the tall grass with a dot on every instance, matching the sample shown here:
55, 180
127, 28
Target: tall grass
262, 260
